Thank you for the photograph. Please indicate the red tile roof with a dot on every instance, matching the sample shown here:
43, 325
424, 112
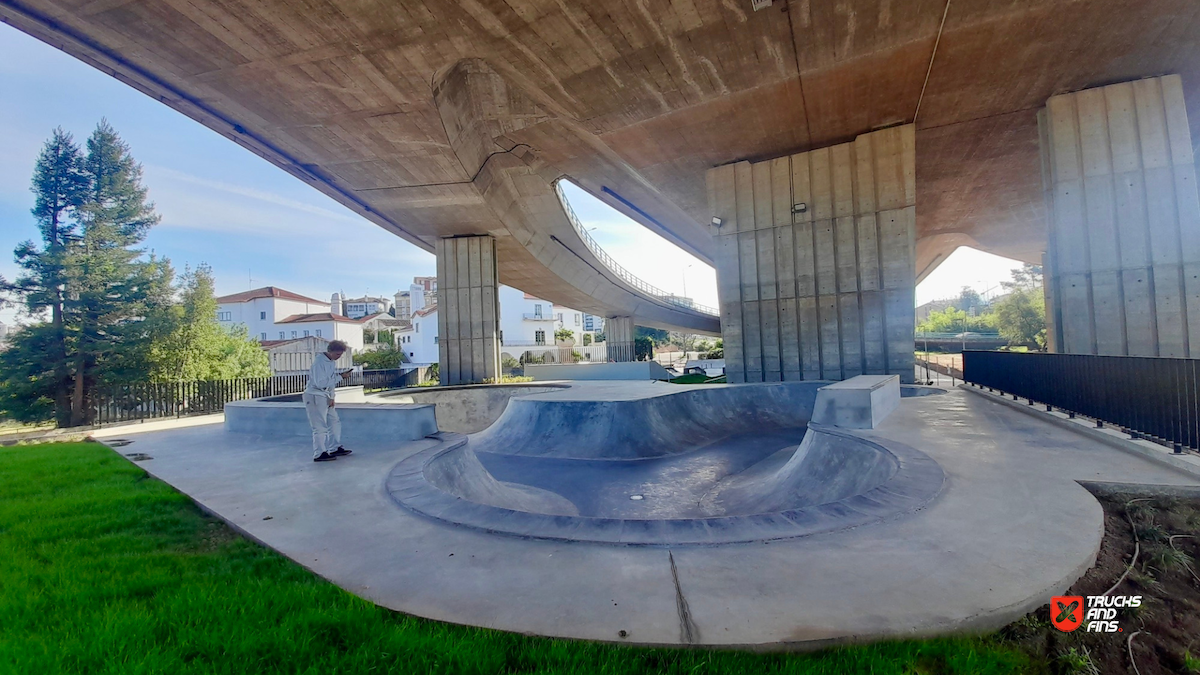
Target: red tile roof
267, 292
323, 316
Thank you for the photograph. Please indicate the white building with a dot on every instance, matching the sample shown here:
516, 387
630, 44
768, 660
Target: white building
372, 326
525, 321
593, 324
323, 325
272, 314
420, 339
357, 308
403, 306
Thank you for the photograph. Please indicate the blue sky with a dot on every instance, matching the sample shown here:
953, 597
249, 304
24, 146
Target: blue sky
258, 226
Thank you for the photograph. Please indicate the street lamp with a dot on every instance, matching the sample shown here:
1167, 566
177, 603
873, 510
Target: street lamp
683, 274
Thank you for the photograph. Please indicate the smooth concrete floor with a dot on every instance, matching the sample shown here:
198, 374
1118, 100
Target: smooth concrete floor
1009, 530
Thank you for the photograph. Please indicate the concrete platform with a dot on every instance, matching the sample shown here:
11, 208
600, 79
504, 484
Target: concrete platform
1011, 527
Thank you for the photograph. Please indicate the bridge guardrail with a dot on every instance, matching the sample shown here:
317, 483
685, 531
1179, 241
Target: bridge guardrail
624, 274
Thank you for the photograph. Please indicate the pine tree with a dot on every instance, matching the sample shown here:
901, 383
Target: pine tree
59, 187
111, 289
99, 290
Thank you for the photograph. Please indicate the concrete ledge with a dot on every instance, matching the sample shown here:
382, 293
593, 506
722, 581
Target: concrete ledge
631, 370
861, 402
361, 422
1188, 463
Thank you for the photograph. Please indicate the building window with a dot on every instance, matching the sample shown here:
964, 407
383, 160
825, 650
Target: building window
264, 336
224, 316
537, 311
576, 319
281, 335
305, 333
262, 316
435, 340
539, 337
293, 333
417, 327
318, 332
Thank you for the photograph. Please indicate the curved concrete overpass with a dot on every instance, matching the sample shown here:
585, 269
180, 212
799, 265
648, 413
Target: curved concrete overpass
451, 118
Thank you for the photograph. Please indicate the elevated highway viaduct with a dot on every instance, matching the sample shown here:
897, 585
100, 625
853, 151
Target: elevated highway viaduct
823, 156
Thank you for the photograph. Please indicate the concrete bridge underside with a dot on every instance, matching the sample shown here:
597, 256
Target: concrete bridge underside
453, 118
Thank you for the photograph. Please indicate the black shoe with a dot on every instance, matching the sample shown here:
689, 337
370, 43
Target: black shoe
324, 457
341, 452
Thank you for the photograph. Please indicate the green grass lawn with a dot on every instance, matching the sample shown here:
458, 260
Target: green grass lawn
105, 570
698, 378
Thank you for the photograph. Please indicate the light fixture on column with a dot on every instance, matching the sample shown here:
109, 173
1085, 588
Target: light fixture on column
799, 208
716, 221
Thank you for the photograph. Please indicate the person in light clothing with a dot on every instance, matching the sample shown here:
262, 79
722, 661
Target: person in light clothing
319, 395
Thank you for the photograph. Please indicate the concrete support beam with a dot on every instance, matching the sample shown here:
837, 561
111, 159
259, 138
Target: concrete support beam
618, 332
815, 261
1123, 259
468, 316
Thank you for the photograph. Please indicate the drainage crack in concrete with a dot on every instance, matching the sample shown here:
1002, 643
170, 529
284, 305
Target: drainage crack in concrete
688, 632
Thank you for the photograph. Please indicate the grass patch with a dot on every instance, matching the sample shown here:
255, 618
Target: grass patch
105, 570
509, 379
697, 378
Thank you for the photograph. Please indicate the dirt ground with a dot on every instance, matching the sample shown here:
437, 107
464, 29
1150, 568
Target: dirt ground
1165, 630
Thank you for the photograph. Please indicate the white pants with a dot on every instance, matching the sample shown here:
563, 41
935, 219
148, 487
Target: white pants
326, 427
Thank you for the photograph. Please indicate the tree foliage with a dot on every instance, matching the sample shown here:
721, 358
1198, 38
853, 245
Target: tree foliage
643, 347
103, 309
656, 335
196, 346
87, 274
564, 335
1021, 315
954, 320
385, 358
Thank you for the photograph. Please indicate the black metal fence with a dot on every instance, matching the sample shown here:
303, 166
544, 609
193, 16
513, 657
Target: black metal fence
1155, 398
156, 400
379, 380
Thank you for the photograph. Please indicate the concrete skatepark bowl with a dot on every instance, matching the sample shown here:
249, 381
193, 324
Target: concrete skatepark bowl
711, 465
1010, 527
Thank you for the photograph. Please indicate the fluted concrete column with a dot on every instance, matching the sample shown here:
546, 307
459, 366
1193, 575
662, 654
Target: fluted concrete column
618, 332
1123, 259
816, 263
468, 316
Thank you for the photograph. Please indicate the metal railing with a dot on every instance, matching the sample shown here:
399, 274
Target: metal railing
158, 400
1153, 398
624, 274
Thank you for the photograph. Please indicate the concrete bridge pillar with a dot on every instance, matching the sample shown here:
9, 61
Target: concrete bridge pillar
468, 316
815, 261
1123, 257
618, 332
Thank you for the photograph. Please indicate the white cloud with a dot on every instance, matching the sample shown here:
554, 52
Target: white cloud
163, 175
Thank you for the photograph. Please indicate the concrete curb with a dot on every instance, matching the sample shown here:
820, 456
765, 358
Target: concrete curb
1186, 463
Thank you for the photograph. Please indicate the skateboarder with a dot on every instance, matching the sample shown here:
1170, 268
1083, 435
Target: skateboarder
323, 378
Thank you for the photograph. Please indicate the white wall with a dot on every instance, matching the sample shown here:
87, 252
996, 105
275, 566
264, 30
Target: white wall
572, 320
517, 323
420, 341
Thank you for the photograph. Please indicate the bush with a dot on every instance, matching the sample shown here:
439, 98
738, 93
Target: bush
381, 359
